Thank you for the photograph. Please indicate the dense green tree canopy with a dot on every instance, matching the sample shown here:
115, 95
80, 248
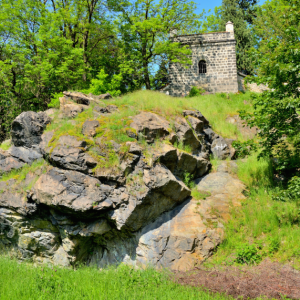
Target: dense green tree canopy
277, 64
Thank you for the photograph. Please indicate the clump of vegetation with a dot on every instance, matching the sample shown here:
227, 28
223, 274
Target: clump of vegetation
243, 149
196, 91
54, 102
248, 254
5, 145
199, 195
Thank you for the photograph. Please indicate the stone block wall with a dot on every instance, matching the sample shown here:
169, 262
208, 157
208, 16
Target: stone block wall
218, 51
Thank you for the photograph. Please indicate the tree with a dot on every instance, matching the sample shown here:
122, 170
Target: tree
49, 46
239, 12
277, 60
144, 26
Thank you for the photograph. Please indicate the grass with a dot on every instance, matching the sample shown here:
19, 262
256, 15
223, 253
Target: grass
215, 107
20, 174
271, 226
24, 281
115, 126
5, 145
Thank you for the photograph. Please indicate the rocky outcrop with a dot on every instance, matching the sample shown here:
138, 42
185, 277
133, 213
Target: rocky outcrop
27, 128
150, 125
92, 199
68, 152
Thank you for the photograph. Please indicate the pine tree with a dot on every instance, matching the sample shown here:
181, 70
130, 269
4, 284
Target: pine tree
240, 12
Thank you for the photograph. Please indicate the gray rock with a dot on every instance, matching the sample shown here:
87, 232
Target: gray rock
24, 154
210, 134
68, 153
180, 162
185, 134
196, 124
78, 97
27, 128
61, 258
161, 192
76, 193
220, 148
89, 127
134, 148
196, 114
107, 109
8, 163
150, 125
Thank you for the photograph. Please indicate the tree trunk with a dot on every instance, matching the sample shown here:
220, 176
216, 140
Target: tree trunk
146, 76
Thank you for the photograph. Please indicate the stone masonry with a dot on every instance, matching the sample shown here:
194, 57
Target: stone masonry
217, 52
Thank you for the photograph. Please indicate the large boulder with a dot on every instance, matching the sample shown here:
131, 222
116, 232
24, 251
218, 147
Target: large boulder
220, 148
158, 191
68, 152
27, 128
75, 193
150, 125
89, 127
78, 97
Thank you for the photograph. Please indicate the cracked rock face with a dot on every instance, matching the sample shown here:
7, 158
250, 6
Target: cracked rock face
27, 128
72, 209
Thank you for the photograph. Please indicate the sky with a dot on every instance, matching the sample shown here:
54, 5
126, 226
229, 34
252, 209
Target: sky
211, 4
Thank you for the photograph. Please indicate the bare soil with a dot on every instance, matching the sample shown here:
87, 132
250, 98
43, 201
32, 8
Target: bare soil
268, 279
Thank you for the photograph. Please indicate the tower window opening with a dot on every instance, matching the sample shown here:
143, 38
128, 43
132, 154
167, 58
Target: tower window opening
202, 67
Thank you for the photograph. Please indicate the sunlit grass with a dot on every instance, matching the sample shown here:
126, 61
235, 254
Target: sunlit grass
261, 220
5, 145
23, 281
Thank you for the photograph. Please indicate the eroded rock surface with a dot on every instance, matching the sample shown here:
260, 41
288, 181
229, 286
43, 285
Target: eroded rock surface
27, 128
98, 201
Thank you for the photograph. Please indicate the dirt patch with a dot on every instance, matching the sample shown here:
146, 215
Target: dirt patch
269, 279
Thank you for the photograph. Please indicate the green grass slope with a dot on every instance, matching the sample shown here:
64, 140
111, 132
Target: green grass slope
26, 282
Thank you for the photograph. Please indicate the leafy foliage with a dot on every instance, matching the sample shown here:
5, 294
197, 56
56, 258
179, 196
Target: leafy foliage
196, 91
244, 149
248, 254
103, 84
145, 26
276, 62
238, 12
292, 193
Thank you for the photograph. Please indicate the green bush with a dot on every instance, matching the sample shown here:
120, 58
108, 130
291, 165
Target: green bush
104, 84
244, 149
196, 91
54, 103
292, 193
248, 254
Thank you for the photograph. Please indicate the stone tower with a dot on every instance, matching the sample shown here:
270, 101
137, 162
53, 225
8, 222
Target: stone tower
213, 63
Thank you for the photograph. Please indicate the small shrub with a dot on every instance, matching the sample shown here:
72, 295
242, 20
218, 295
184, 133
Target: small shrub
248, 254
54, 103
244, 149
196, 91
188, 180
185, 148
274, 245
